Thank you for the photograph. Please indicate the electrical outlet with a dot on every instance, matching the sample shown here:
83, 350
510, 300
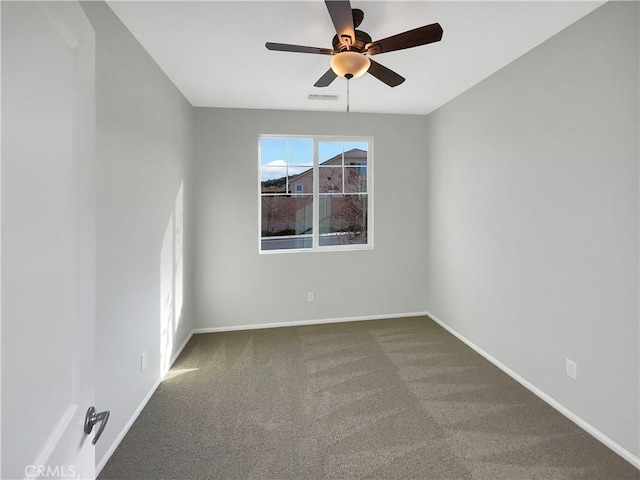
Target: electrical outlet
143, 361
571, 369
309, 296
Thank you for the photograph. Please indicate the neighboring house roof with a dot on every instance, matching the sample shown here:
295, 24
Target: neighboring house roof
353, 154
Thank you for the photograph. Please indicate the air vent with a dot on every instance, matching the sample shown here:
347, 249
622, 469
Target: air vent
315, 96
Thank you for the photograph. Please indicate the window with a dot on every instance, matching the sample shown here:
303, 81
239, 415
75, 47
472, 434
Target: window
315, 193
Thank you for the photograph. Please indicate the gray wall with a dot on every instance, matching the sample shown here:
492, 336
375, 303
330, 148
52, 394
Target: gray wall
144, 132
235, 286
533, 218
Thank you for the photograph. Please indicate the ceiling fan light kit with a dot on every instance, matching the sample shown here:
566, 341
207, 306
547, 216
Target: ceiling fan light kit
352, 48
350, 64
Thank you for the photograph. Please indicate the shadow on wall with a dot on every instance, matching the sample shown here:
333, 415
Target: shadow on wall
171, 273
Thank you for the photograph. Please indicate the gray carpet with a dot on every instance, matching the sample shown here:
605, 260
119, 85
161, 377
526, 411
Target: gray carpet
397, 398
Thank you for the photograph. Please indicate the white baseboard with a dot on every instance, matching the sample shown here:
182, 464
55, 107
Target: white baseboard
112, 448
322, 321
180, 348
597, 434
105, 458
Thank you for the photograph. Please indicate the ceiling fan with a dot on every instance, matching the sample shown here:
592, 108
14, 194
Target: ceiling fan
352, 48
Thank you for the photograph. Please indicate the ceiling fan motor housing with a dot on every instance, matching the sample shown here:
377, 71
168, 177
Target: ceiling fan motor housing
362, 39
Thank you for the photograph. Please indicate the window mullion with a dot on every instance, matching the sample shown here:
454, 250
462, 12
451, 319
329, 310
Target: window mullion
286, 170
316, 196
343, 171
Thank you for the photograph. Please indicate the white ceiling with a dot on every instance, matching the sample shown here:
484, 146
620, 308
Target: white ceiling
214, 51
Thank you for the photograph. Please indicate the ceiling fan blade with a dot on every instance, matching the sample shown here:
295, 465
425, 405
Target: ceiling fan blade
326, 79
411, 38
358, 16
342, 18
284, 47
385, 75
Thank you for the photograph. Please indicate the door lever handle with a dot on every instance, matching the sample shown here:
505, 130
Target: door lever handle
91, 419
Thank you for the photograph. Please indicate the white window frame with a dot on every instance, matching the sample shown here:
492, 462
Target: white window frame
316, 247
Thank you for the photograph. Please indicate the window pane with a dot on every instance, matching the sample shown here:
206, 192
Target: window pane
301, 182
330, 152
273, 150
343, 220
330, 179
286, 221
355, 156
355, 179
273, 179
359, 145
287, 243
301, 152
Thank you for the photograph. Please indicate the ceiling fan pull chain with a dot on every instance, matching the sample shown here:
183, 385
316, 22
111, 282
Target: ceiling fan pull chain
347, 95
